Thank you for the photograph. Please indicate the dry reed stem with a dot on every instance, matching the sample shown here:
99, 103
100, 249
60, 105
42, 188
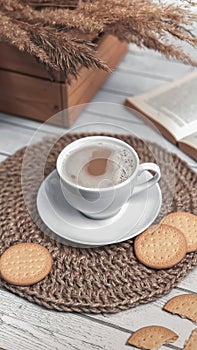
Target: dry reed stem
60, 37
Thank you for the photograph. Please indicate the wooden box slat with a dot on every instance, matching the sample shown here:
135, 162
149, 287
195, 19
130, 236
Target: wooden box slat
26, 96
26, 88
89, 81
17, 61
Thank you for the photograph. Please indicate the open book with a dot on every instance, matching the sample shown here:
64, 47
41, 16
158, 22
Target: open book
173, 109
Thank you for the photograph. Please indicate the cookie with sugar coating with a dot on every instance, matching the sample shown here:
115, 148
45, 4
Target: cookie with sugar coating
184, 305
24, 264
187, 224
152, 337
191, 343
160, 246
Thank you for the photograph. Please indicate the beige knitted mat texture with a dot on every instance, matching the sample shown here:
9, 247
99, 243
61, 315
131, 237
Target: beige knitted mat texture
104, 279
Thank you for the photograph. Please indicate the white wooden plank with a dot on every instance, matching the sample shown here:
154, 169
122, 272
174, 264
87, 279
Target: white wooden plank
130, 84
109, 104
153, 67
152, 314
32, 327
145, 52
13, 137
190, 282
99, 123
110, 109
134, 49
2, 157
30, 124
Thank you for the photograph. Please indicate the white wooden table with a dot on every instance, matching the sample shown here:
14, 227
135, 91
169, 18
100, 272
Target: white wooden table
27, 326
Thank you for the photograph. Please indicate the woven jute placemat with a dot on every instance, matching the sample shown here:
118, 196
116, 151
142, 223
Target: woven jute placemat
104, 279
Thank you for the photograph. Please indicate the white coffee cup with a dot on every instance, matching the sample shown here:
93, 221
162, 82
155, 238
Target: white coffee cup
101, 203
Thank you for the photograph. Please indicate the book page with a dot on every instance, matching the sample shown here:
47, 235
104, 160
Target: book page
189, 145
173, 105
191, 140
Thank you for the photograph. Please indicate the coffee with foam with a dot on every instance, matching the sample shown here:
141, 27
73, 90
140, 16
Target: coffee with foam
99, 165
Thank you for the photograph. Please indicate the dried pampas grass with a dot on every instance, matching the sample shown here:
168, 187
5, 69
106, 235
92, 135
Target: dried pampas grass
59, 33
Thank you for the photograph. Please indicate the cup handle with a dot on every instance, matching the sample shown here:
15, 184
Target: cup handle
152, 181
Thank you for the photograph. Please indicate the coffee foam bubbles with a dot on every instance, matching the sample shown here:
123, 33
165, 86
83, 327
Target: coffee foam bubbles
119, 164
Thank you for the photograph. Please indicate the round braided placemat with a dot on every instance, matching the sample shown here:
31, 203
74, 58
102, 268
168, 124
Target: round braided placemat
104, 279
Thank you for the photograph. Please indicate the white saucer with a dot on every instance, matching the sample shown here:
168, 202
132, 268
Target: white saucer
134, 217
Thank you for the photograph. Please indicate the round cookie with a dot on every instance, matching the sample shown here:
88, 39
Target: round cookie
160, 246
184, 305
24, 264
152, 337
187, 224
191, 343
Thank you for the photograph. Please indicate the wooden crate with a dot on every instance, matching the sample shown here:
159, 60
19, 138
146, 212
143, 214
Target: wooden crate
27, 89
